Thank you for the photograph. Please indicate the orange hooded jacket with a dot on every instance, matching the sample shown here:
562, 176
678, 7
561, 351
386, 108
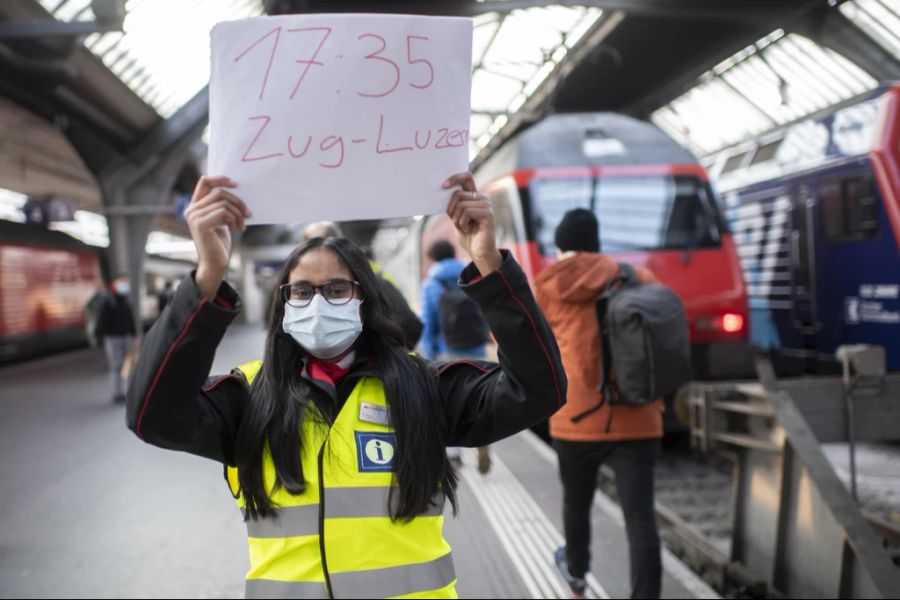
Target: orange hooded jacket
567, 292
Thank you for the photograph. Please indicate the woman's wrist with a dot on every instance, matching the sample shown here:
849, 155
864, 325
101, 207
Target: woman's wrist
208, 281
488, 263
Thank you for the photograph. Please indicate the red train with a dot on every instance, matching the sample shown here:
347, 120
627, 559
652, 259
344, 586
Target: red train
47, 277
654, 204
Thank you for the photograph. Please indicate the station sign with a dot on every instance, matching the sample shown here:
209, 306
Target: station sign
340, 117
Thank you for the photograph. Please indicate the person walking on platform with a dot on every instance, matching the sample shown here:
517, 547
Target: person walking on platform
115, 325
334, 443
587, 432
454, 327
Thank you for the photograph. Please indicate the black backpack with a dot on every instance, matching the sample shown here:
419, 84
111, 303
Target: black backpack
462, 324
645, 341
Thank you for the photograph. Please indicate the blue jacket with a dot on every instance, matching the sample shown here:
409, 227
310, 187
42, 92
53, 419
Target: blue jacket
433, 343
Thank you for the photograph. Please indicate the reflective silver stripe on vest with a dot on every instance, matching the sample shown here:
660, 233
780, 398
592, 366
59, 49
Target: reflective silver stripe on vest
270, 588
351, 502
288, 521
394, 581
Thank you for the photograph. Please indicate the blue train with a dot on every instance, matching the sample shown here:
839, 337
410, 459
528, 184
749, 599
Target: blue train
815, 211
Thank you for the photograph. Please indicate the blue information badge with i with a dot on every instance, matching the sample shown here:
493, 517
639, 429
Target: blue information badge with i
375, 451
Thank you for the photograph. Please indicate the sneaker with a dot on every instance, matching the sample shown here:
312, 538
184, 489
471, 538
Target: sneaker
577, 585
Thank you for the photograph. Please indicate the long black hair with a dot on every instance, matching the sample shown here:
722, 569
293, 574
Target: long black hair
280, 399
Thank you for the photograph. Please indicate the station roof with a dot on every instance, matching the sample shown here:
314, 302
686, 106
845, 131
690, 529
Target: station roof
162, 52
708, 72
513, 51
778, 79
523, 59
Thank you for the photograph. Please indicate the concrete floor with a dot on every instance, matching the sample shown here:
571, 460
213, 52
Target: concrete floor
90, 511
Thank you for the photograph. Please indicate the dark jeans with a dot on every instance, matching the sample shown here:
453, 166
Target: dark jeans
633, 462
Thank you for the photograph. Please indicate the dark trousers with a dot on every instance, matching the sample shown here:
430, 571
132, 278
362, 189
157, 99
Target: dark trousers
633, 462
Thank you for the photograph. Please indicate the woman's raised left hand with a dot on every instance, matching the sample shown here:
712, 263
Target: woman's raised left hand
473, 219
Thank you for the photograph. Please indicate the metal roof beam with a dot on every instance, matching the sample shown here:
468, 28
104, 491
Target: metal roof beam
156, 162
687, 77
716, 10
40, 28
190, 118
432, 7
830, 28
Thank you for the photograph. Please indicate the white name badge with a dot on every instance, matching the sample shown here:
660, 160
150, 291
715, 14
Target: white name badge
374, 413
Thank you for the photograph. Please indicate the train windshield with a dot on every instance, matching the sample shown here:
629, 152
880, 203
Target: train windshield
647, 212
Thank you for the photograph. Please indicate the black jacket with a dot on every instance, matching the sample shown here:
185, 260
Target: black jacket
173, 403
115, 316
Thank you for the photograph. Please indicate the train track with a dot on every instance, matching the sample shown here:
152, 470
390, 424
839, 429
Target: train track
693, 506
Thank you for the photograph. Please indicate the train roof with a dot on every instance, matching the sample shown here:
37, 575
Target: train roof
12, 232
587, 139
36, 235
844, 130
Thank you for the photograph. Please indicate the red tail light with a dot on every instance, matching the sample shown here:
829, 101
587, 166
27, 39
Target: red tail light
732, 323
727, 323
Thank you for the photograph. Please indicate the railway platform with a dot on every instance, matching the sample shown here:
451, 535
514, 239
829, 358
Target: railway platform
90, 511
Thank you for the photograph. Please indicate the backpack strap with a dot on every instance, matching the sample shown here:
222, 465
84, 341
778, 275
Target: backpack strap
626, 276
605, 357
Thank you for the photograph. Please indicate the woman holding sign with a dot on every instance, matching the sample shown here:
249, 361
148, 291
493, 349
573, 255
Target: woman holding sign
335, 442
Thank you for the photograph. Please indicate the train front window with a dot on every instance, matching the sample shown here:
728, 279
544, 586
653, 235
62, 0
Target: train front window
655, 212
550, 200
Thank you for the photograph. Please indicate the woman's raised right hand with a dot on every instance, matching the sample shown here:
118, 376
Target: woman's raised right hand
211, 215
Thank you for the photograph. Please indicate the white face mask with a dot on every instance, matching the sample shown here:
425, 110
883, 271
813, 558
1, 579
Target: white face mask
322, 329
123, 287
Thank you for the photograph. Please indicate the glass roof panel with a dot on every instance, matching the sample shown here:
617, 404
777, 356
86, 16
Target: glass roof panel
560, 18
521, 39
492, 92
68, 10
173, 72
714, 113
878, 18
483, 34
778, 79
511, 62
585, 21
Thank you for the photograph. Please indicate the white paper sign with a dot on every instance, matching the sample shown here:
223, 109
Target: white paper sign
340, 117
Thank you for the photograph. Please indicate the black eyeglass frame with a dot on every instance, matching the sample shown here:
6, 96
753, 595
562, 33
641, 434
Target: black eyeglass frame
285, 290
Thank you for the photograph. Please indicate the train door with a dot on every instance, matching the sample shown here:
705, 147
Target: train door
859, 290
804, 297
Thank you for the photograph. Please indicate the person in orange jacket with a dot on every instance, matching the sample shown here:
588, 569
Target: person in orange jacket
625, 437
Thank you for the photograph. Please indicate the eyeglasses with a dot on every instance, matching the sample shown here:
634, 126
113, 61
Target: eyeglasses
301, 293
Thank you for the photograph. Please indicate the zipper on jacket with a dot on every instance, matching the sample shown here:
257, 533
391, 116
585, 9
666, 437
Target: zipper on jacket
322, 520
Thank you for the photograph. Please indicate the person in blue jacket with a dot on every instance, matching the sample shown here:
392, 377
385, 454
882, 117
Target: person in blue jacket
442, 275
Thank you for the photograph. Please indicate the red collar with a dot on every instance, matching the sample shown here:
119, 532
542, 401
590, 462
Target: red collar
323, 370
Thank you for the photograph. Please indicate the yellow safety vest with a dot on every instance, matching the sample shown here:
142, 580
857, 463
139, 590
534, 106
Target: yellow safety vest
341, 523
